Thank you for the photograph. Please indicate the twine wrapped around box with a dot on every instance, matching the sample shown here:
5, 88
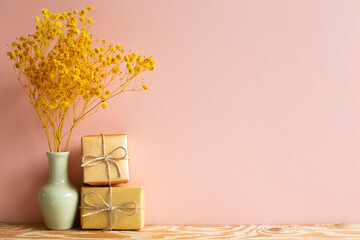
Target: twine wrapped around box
105, 158
108, 207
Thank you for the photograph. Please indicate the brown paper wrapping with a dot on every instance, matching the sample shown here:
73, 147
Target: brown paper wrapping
97, 175
119, 195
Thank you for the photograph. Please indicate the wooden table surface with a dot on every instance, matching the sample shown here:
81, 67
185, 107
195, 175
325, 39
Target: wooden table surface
263, 232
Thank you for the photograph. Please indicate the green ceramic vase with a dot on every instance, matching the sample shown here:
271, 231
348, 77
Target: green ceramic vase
58, 199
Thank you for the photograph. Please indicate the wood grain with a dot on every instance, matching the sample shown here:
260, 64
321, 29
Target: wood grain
263, 232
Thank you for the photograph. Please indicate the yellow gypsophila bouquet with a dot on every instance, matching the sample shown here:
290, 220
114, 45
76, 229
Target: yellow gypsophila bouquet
67, 78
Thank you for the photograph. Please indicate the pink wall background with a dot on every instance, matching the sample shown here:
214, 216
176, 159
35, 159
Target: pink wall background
252, 117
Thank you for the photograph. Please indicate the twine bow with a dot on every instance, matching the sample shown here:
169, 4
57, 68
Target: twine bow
109, 207
106, 158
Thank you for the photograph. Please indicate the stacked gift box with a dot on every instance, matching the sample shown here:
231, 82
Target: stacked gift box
104, 205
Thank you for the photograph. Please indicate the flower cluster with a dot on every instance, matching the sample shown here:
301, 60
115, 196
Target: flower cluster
68, 75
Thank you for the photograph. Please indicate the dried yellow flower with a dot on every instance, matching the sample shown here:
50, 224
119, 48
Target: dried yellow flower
66, 76
82, 12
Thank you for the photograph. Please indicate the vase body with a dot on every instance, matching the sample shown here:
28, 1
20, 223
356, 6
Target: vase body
58, 199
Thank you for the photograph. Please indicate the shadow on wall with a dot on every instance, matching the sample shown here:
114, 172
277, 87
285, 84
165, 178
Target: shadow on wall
75, 173
75, 170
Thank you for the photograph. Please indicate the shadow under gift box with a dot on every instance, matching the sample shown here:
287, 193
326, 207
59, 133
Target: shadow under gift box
121, 196
97, 175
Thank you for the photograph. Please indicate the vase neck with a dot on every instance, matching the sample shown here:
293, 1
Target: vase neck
58, 166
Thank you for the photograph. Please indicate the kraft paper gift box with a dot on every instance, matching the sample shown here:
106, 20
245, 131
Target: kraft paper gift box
95, 172
127, 202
